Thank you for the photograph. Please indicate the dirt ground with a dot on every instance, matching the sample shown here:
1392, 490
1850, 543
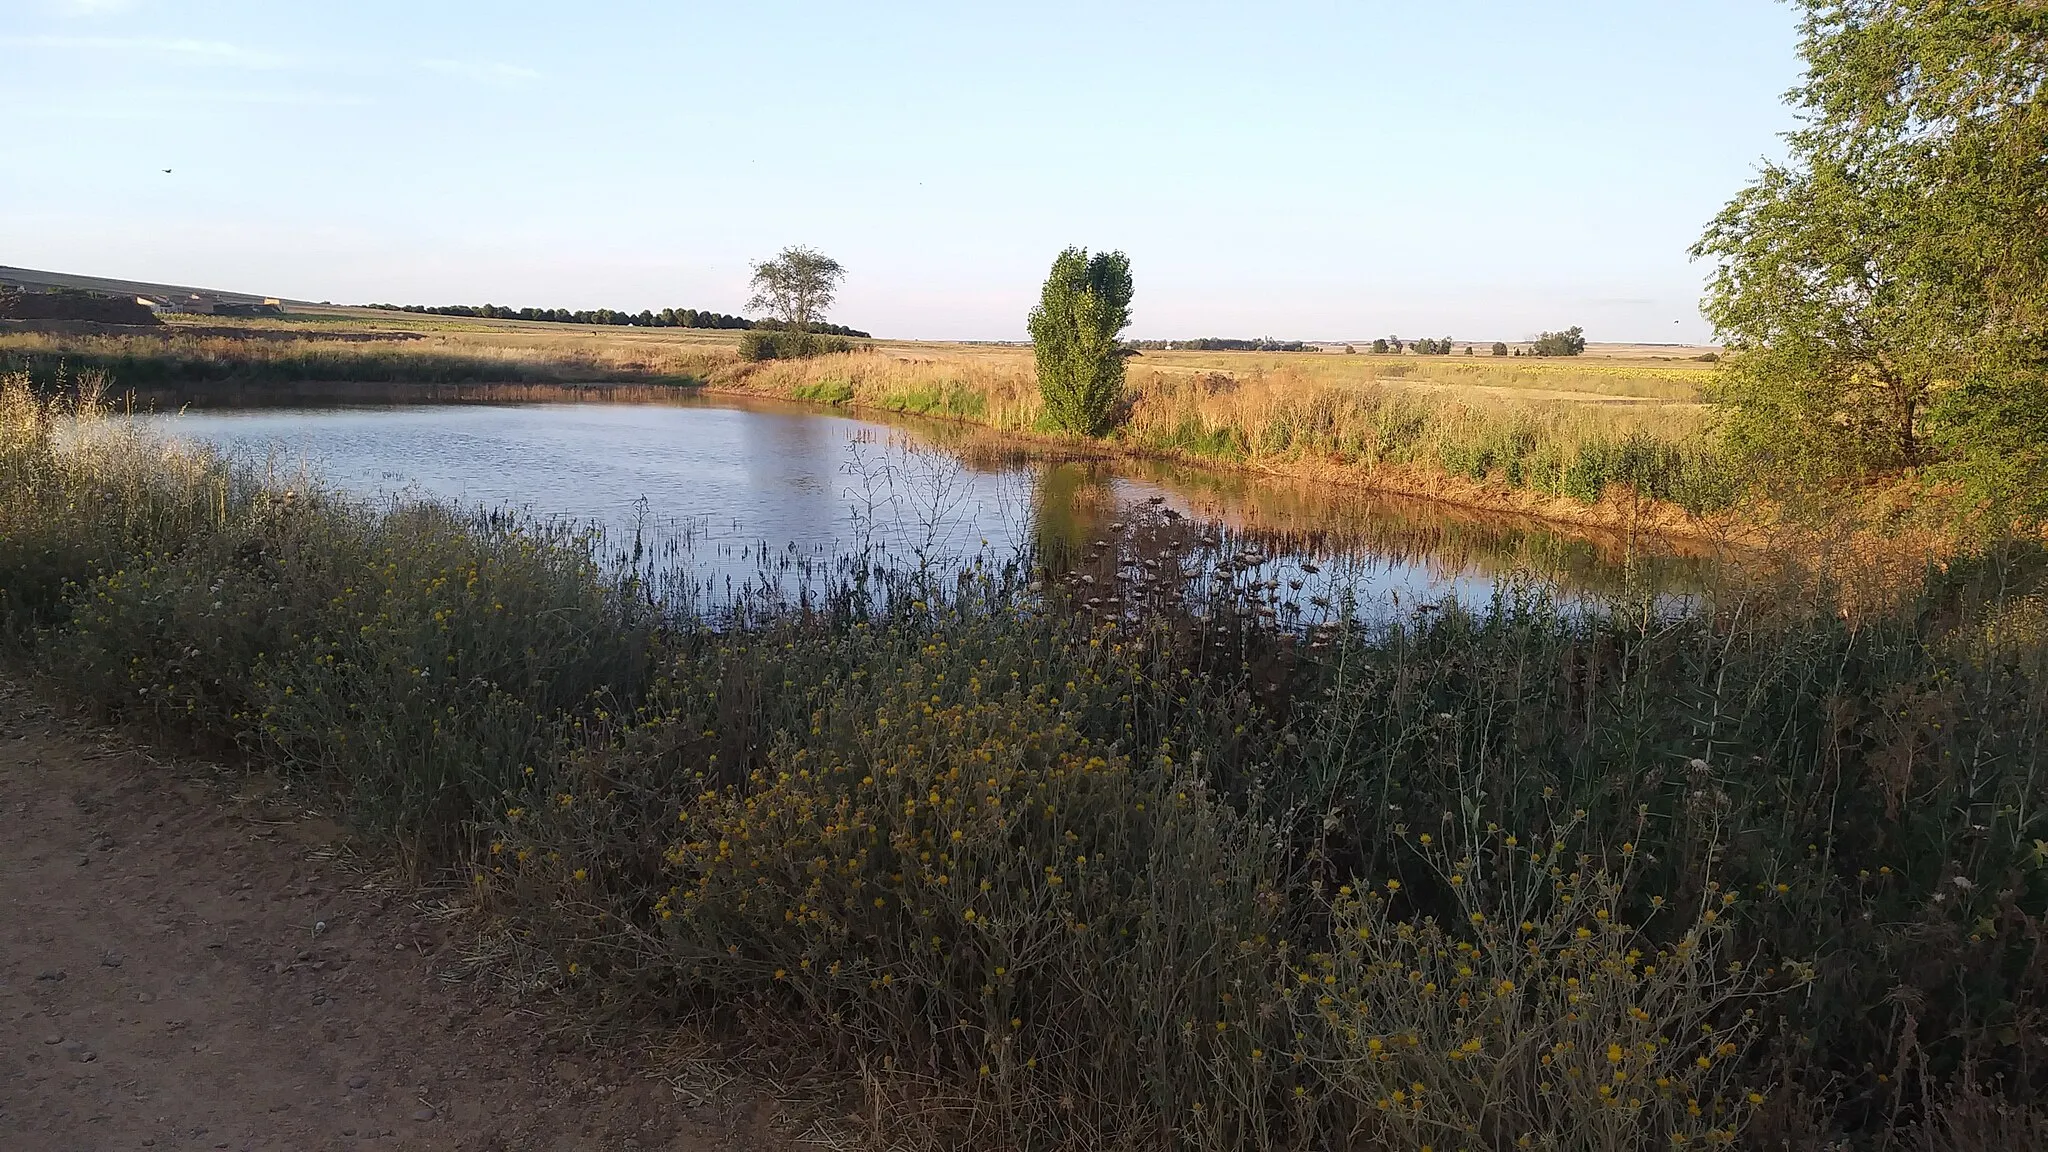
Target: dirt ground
187, 962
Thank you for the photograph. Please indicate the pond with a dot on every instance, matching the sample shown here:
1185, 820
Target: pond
728, 493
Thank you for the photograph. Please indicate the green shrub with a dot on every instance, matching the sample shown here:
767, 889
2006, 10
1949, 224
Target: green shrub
783, 344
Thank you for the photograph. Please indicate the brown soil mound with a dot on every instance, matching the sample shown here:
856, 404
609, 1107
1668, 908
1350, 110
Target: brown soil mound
70, 304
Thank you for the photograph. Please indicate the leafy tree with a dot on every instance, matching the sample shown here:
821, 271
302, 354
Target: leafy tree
797, 286
1085, 303
1380, 347
1499, 348
1570, 342
1883, 295
1394, 345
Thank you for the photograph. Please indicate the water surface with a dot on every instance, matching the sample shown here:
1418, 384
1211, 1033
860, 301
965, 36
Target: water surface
738, 491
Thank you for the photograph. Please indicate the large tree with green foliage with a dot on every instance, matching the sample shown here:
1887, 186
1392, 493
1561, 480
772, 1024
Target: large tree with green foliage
1884, 292
1085, 304
1570, 342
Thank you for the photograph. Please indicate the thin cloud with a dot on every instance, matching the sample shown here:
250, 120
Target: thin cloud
144, 105
193, 51
487, 71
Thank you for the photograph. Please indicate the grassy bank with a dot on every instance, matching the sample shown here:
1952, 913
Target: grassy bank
1288, 420
1601, 880
178, 365
1596, 443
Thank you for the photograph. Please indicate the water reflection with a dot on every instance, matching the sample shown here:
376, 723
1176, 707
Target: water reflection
787, 494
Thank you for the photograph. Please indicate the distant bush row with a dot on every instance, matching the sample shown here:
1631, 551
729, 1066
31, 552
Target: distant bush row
645, 318
1219, 344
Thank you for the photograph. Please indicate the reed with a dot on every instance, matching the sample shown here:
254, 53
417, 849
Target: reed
1287, 422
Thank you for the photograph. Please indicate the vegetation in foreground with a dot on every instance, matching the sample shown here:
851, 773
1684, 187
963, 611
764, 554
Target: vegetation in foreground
1586, 880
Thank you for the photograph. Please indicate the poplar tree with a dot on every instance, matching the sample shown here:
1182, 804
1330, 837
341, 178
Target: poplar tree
1085, 304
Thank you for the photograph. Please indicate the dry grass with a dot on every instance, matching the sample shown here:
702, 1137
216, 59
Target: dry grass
1631, 375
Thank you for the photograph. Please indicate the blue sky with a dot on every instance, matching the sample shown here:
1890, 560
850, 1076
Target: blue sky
1294, 168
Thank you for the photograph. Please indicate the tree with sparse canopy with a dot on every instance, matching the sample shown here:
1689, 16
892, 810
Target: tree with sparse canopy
1085, 304
797, 286
1883, 294
795, 289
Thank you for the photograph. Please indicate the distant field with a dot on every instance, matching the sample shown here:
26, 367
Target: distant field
1606, 375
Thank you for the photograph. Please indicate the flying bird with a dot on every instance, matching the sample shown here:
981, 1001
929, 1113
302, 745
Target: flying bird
167, 171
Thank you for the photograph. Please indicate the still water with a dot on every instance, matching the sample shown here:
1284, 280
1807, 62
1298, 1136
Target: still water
736, 492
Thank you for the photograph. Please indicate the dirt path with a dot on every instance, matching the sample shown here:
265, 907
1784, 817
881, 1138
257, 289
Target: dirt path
182, 968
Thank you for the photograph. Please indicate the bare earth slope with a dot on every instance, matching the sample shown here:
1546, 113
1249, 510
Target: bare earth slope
185, 969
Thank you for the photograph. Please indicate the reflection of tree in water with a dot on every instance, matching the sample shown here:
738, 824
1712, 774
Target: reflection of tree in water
1072, 505
1080, 509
